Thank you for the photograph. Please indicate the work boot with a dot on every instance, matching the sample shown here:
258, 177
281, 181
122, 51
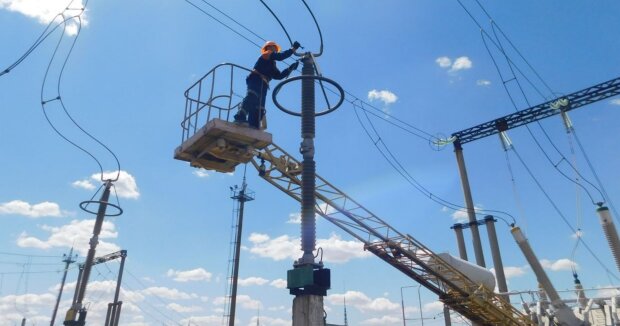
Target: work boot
240, 117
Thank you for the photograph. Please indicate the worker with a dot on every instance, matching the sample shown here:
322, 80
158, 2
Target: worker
265, 70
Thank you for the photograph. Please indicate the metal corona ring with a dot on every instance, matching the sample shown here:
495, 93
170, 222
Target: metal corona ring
84, 205
276, 90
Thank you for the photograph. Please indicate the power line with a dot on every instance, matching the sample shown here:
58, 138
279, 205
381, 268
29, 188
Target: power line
405, 126
557, 210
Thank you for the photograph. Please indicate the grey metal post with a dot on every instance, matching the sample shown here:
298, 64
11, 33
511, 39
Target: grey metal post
469, 203
610, 233
77, 283
241, 197
68, 260
563, 312
497, 257
460, 240
446, 315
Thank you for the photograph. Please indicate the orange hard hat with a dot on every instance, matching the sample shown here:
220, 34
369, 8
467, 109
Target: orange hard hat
263, 50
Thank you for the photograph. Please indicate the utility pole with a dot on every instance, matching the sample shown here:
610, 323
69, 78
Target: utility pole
77, 307
68, 260
114, 309
242, 196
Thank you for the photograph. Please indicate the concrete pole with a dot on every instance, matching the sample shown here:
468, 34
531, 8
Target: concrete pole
68, 260
460, 240
497, 257
469, 204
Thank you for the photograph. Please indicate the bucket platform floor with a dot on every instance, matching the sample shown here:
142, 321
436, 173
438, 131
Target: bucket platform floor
222, 145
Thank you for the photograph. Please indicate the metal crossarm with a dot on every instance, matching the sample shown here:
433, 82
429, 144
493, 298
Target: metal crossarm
563, 104
397, 249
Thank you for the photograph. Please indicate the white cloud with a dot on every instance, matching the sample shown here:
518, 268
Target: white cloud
212, 320
265, 320
384, 96
563, 264
512, 271
444, 62
578, 234
362, 302
168, 293
460, 216
19, 207
461, 63
431, 307
483, 82
75, 234
124, 187
179, 308
384, 320
44, 11
252, 281
294, 218
615, 101
335, 250
279, 283
200, 173
198, 274
84, 184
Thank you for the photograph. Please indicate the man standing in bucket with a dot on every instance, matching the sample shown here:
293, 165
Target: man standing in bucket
264, 71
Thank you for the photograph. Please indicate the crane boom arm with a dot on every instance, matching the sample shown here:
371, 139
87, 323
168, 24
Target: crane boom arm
400, 250
563, 104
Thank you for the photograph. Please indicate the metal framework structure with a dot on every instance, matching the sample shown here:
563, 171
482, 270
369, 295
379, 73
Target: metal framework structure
563, 104
402, 251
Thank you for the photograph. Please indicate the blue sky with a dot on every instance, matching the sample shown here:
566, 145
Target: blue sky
423, 62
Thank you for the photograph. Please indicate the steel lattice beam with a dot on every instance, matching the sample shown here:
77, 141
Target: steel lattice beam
563, 104
399, 250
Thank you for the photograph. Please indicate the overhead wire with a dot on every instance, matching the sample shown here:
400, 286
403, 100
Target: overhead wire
534, 138
58, 97
405, 126
559, 212
387, 154
39, 40
156, 297
511, 65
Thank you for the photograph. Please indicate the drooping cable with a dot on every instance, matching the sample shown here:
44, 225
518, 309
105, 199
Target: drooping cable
405, 126
515, 48
222, 23
317, 27
46, 32
498, 46
58, 97
559, 212
156, 297
603, 191
278, 20
536, 141
387, 154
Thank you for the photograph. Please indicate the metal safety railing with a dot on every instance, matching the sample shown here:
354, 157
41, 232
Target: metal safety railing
213, 97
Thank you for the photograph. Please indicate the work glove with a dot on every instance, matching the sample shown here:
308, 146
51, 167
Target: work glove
296, 45
294, 66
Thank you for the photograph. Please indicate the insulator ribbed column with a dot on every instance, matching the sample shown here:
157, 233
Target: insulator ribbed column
308, 176
562, 311
610, 233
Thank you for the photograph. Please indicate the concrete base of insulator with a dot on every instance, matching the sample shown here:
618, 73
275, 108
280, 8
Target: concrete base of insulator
308, 310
